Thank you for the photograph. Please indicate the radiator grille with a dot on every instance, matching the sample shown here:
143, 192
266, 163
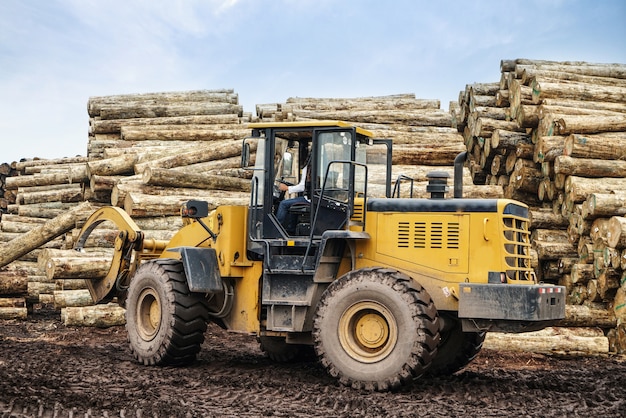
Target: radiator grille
517, 246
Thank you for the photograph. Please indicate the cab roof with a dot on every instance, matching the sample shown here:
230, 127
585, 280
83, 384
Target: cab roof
312, 124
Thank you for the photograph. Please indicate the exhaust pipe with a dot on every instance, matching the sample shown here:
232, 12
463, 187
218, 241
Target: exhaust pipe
459, 161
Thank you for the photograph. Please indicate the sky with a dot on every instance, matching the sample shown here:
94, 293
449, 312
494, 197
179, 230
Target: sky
55, 54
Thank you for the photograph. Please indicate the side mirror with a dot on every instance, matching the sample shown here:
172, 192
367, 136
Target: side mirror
287, 164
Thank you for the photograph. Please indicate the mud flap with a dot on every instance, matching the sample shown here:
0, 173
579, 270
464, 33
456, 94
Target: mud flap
201, 269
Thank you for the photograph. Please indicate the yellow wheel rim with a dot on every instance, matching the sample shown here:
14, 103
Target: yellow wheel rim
368, 331
148, 314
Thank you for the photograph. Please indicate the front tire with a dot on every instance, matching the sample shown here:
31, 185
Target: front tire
375, 329
165, 322
456, 350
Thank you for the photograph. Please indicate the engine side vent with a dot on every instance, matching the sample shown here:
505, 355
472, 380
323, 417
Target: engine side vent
434, 235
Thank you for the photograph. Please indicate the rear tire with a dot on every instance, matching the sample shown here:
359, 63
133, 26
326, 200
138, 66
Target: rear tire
375, 329
456, 350
164, 320
278, 350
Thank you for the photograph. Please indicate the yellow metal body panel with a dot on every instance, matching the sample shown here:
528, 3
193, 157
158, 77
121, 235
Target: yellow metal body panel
438, 250
229, 223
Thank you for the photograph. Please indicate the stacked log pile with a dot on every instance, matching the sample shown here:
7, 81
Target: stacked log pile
554, 135
147, 153
422, 133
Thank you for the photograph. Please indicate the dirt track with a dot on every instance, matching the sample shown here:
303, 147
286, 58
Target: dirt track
47, 369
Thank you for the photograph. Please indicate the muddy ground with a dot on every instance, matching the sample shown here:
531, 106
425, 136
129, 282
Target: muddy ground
48, 369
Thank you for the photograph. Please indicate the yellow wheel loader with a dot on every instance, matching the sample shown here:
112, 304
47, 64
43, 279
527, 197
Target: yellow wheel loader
381, 288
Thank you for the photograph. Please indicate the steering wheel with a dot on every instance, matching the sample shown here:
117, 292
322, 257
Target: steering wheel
280, 194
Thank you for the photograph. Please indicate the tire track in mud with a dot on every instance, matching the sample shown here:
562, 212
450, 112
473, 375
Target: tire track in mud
63, 372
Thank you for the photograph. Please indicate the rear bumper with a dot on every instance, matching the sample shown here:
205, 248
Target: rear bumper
511, 308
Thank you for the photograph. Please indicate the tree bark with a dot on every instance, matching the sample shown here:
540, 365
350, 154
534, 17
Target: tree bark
191, 179
616, 235
427, 117
13, 282
134, 110
582, 273
548, 148
114, 125
122, 164
40, 235
544, 90
589, 167
218, 151
585, 316
76, 174
581, 187
549, 340
184, 133
610, 146
606, 204
147, 205
100, 316
77, 267
65, 298
590, 124
72, 193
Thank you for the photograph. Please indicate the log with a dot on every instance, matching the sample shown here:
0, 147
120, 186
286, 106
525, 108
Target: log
543, 90
582, 273
22, 165
7, 312
146, 205
590, 124
545, 218
435, 155
528, 73
71, 193
12, 302
121, 190
184, 133
554, 250
599, 146
134, 110
115, 125
13, 282
581, 187
100, 316
77, 267
37, 289
95, 103
192, 179
616, 235
218, 151
70, 284
65, 298
45, 210
427, 117
586, 316
551, 340
548, 148
608, 283
605, 205
589, 167
123, 164
67, 176
525, 176
46, 232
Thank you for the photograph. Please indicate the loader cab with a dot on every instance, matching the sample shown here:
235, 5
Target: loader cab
336, 186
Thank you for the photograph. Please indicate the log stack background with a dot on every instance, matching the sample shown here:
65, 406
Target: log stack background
551, 134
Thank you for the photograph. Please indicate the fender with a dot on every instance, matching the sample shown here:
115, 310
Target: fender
201, 269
